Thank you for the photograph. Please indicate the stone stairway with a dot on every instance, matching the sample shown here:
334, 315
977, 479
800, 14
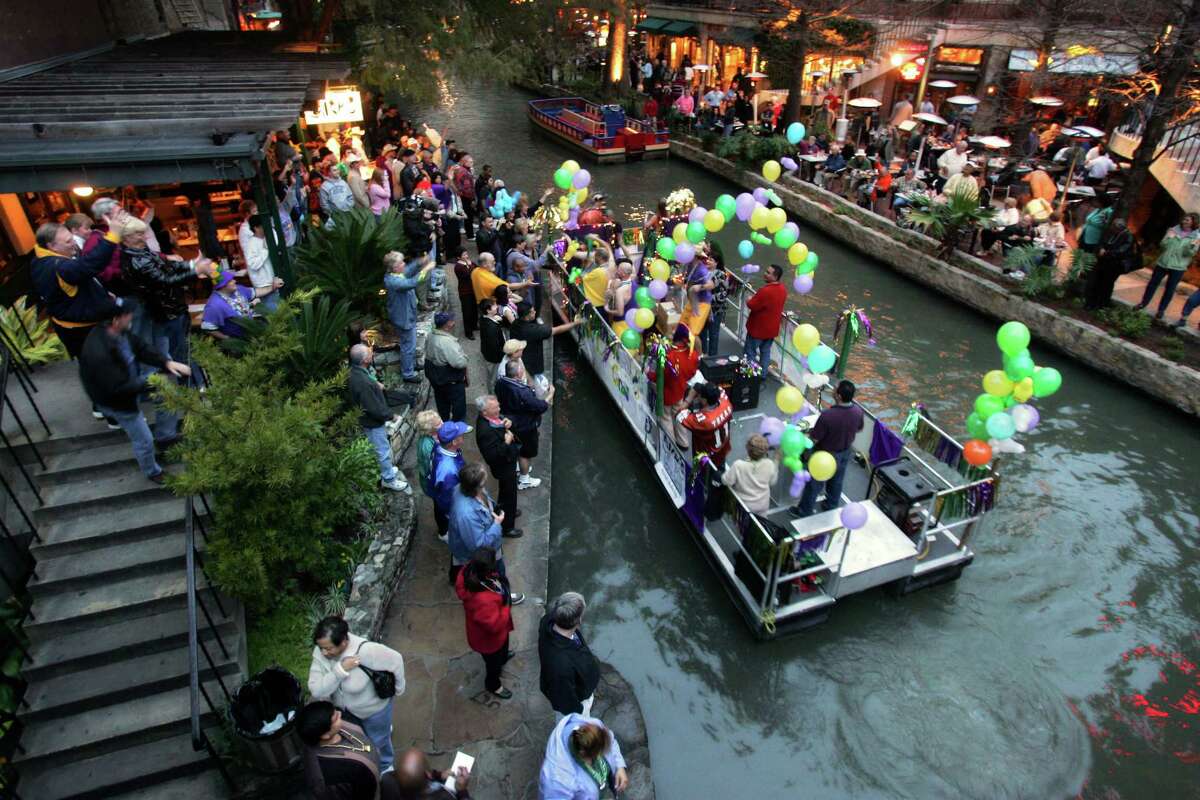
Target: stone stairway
108, 701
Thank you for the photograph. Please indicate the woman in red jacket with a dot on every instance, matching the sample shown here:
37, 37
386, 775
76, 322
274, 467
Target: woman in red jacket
766, 311
485, 596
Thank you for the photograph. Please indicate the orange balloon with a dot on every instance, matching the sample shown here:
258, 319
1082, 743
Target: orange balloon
977, 452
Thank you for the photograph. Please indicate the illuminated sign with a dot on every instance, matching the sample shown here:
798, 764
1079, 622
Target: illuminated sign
340, 104
910, 71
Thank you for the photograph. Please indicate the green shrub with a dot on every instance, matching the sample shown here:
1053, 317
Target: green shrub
31, 336
1128, 322
346, 262
320, 336
947, 219
281, 634
284, 465
709, 140
1174, 348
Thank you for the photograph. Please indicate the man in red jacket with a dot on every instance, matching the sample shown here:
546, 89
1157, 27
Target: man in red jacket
766, 311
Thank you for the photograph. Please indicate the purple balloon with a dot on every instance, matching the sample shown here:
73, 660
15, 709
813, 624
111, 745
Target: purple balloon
803, 284
745, 206
581, 179
772, 429
629, 318
760, 194
791, 226
798, 482
685, 252
658, 289
854, 516
750, 269
697, 214
787, 164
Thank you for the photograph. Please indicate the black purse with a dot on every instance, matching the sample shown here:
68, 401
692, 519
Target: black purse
383, 681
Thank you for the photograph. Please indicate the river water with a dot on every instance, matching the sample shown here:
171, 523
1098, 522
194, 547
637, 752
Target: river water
1062, 664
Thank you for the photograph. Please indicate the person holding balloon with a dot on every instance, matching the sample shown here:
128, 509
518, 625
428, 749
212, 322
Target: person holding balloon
766, 315
833, 437
698, 304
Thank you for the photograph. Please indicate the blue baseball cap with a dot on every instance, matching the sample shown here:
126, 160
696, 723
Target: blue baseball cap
452, 430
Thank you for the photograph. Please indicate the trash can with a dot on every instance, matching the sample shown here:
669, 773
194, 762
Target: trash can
263, 712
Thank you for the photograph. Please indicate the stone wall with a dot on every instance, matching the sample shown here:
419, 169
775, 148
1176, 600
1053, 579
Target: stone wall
911, 254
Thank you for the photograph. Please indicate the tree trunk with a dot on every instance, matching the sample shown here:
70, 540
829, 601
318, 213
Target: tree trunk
328, 11
1177, 65
618, 29
799, 55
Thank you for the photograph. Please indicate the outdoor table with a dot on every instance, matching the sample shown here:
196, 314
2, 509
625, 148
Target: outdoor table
812, 161
1078, 190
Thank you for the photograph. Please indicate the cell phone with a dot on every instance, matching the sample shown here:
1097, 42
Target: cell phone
461, 759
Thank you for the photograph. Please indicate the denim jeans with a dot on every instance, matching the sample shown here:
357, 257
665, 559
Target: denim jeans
270, 302
1173, 276
1190, 305
166, 425
758, 351
408, 351
378, 437
710, 335
171, 338
833, 487
378, 728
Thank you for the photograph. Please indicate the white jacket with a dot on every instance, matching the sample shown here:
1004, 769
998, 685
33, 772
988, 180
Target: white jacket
353, 690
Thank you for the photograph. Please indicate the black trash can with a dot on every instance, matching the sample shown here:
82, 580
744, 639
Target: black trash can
257, 705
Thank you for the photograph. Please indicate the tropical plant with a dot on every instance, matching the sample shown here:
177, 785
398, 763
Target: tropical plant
285, 465
947, 217
30, 335
1128, 322
346, 261
1030, 260
320, 344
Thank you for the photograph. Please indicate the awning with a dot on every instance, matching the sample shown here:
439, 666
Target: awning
737, 36
652, 24
191, 107
679, 28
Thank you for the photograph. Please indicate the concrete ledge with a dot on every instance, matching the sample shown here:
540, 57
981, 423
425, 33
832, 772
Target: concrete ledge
911, 254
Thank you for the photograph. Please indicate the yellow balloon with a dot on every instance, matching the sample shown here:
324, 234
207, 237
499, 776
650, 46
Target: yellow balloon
713, 221
771, 170
758, 217
563, 203
572, 249
619, 327
1023, 390
776, 219
679, 233
806, 338
789, 399
821, 465
644, 318
581, 195
660, 270
571, 166
997, 384
797, 253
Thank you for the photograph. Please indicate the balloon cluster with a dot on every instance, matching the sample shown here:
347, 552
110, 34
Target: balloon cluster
574, 181
1004, 408
770, 226
819, 357
504, 203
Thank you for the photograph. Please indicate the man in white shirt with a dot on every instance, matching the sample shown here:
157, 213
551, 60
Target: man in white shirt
714, 97
951, 162
1099, 167
258, 264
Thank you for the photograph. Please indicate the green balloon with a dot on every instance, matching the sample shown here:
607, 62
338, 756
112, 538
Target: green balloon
1013, 337
760, 238
791, 443
562, 179
808, 264
986, 405
696, 232
786, 237
1046, 381
642, 298
976, 426
1018, 366
727, 206
666, 248
813, 259
631, 338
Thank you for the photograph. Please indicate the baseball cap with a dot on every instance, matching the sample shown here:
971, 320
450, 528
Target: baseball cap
512, 346
452, 430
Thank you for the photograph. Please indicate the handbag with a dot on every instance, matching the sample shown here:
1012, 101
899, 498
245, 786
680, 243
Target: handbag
383, 681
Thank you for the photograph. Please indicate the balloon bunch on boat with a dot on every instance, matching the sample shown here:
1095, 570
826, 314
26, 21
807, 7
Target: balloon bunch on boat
1005, 409
763, 211
574, 181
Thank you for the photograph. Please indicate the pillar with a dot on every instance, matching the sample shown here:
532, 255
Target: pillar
16, 224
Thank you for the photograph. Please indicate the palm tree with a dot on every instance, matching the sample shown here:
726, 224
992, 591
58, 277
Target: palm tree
947, 217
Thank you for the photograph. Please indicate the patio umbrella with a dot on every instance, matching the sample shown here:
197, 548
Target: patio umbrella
943, 84
1046, 101
963, 100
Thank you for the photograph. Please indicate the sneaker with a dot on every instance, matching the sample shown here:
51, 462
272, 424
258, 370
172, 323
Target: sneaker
526, 482
112, 425
396, 484
444, 538
96, 414
158, 477
1179, 323
516, 598
503, 694
1140, 306
515, 533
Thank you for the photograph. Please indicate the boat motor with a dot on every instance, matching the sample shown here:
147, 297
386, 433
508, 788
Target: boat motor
902, 491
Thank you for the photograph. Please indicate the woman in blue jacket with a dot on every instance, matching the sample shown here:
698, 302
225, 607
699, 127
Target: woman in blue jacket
582, 758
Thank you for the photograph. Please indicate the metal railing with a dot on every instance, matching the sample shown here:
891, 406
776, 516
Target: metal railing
1181, 144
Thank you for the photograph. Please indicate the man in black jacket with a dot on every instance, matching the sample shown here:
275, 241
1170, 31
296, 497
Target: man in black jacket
110, 368
367, 395
499, 448
521, 404
569, 671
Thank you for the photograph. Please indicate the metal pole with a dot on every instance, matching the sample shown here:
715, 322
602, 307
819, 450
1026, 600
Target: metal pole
1062, 204
274, 231
933, 43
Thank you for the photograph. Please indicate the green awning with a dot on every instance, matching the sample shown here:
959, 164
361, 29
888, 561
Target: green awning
652, 24
739, 36
679, 29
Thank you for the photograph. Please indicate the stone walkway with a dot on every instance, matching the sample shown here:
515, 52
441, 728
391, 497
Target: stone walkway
445, 708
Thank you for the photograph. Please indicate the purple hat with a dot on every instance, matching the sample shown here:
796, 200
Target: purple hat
451, 431
223, 278
441, 318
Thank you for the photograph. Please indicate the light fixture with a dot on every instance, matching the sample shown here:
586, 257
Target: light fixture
1046, 100
82, 191
897, 59
942, 84
991, 89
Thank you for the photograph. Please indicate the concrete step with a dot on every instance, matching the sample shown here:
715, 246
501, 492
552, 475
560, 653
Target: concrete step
113, 728
85, 463
102, 644
63, 572
98, 435
99, 494
105, 776
123, 598
75, 533
203, 786
119, 681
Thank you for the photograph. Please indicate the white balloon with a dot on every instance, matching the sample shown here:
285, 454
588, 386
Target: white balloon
1006, 446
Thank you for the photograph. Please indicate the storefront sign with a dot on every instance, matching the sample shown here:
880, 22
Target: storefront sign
338, 105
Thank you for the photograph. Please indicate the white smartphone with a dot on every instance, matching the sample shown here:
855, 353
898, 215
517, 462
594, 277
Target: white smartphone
461, 759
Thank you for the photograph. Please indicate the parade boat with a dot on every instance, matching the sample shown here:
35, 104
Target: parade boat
923, 501
603, 132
